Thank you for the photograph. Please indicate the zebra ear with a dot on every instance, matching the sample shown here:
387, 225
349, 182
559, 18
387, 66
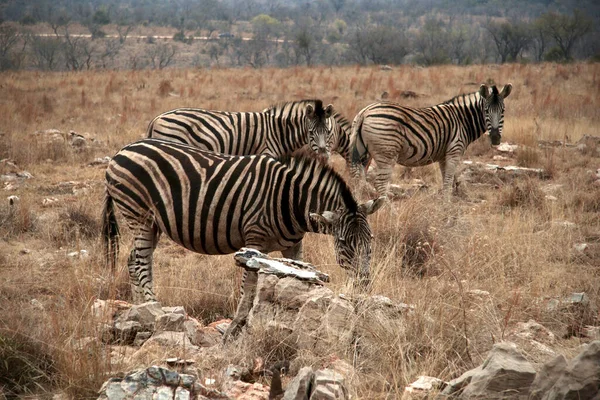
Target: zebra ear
373, 205
328, 111
326, 218
310, 110
506, 90
483, 91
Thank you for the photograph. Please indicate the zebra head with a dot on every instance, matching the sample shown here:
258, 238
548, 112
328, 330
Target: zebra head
319, 126
493, 105
352, 236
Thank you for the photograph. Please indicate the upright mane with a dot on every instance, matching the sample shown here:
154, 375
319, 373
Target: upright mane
302, 161
318, 104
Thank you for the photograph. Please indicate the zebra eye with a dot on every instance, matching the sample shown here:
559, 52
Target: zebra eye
341, 239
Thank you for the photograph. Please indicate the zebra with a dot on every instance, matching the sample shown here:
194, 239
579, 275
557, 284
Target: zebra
390, 133
284, 128
212, 203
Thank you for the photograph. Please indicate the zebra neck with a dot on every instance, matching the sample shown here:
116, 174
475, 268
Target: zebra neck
471, 115
287, 134
342, 132
313, 194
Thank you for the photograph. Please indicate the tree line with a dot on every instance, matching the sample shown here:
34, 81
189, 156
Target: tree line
286, 33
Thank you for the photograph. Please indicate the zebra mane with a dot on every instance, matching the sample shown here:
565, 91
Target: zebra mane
304, 161
461, 99
319, 110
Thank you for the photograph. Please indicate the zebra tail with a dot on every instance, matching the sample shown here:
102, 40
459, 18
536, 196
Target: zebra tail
359, 152
110, 232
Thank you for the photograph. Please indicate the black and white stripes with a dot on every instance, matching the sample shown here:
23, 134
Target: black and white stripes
390, 133
276, 131
215, 204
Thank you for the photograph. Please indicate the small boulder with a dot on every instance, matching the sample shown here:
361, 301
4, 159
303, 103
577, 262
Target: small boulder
170, 322
298, 388
328, 385
145, 314
504, 371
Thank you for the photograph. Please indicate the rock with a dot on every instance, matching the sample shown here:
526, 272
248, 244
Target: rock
248, 391
77, 140
547, 377
579, 380
534, 331
298, 388
564, 224
328, 385
13, 200
124, 332
78, 254
425, 384
141, 337
592, 332
171, 339
504, 371
174, 310
207, 337
506, 147
50, 201
100, 161
170, 322
24, 251
221, 325
575, 312
145, 314
288, 289
385, 68
157, 383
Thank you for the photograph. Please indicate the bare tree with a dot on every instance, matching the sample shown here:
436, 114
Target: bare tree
510, 39
161, 55
46, 52
431, 43
566, 30
378, 45
9, 36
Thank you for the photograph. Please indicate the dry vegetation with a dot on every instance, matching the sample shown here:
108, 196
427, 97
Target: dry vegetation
427, 252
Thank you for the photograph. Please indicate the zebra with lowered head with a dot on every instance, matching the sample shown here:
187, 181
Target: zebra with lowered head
212, 203
390, 133
283, 129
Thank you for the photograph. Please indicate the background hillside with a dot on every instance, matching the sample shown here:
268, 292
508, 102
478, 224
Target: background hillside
137, 34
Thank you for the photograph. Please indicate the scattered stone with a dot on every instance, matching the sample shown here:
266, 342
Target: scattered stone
425, 384
24, 251
328, 385
533, 331
78, 254
504, 371
580, 379
50, 202
592, 332
506, 147
145, 314
178, 362
174, 310
170, 322
550, 197
170, 339
13, 200
100, 161
77, 140
385, 67
125, 332
298, 388
248, 391
35, 303
157, 383
141, 338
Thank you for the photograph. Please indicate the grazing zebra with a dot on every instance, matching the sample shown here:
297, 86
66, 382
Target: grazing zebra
212, 203
281, 130
390, 133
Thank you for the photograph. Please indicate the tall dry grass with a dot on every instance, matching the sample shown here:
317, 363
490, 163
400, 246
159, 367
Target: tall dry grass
427, 252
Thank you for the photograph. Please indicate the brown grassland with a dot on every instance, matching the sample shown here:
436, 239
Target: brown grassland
427, 252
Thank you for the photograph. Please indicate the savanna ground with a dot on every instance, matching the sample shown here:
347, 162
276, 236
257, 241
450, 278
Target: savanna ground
427, 253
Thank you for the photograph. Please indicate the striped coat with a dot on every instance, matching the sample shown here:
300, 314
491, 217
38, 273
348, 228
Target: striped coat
390, 133
212, 203
276, 131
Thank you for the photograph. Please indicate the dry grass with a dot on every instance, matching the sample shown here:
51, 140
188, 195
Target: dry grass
427, 252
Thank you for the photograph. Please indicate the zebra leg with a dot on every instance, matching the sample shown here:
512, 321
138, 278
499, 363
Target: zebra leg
448, 169
136, 292
140, 260
295, 252
383, 175
249, 282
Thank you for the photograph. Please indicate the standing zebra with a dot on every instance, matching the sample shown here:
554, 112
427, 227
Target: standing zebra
212, 203
281, 130
390, 133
